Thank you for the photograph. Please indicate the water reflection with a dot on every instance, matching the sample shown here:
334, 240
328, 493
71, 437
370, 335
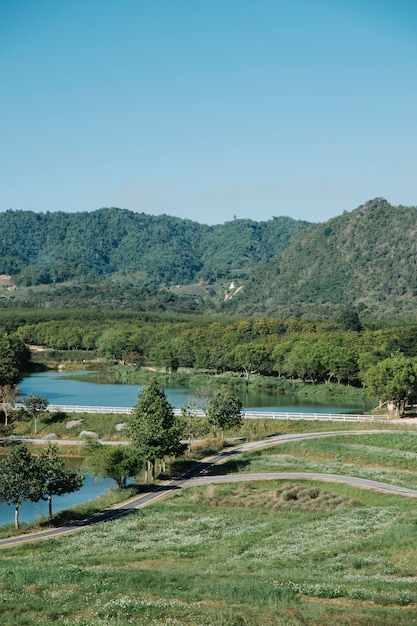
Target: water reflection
80, 388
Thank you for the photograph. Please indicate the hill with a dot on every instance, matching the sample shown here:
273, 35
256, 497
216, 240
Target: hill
52, 248
363, 260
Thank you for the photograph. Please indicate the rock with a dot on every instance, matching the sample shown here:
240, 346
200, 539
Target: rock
88, 433
50, 436
120, 427
73, 424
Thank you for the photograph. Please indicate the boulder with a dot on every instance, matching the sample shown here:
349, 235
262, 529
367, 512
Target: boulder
73, 424
88, 433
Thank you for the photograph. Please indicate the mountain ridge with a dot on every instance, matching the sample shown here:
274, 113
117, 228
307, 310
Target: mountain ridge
364, 259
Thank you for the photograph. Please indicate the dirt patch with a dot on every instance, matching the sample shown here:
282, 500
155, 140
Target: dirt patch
5, 280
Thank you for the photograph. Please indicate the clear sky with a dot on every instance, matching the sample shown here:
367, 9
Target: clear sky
208, 109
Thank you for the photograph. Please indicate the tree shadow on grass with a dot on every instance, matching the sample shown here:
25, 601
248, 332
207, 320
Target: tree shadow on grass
233, 466
97, 513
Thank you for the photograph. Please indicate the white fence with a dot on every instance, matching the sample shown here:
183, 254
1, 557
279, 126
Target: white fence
324, 417
271, 415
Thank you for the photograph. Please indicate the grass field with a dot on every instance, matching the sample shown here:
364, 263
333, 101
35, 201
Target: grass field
264, 553
390, 458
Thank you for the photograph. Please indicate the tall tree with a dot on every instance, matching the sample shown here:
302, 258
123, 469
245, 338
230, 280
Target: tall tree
225, 409
57, 479
14, 355
20, 479
154, 429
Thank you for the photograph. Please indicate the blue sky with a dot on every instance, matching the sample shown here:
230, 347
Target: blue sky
208, 109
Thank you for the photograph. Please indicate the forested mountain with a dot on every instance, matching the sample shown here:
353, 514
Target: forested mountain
44, 248
364, 260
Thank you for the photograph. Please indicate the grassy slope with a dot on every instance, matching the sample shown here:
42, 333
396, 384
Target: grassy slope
260, 553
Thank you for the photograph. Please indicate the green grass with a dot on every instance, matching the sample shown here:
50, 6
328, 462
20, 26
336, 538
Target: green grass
260, 553
105, 426
190, 561
79, 512
390, 458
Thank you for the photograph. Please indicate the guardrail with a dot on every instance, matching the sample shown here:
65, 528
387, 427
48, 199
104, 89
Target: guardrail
272, 415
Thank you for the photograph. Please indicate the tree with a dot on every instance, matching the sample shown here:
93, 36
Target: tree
35, 405
251, 358
154, 429
20, 479
57, 479
7, 397
394, 380
225, 409
117, 462
194, 422
348, 319
14, 355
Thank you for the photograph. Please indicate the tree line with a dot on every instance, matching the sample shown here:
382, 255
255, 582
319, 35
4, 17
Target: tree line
342, 351
329, 351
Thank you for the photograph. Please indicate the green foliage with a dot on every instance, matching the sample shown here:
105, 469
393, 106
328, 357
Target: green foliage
14, 357
35, 406
8, 395
20, 479
393, 379
57, 479
361, 261
355, 268
117, 462
24, 476
153, 428
225, 409
39, 248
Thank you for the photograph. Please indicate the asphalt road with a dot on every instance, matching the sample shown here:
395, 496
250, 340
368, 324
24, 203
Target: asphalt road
198, 476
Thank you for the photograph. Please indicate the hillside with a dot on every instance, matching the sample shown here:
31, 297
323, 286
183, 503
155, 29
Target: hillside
52, 248
364, 259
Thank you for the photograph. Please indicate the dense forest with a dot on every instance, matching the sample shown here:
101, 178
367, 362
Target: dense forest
38, 248
120, 260
366, 258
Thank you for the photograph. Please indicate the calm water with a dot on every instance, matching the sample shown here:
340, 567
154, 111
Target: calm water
78, 388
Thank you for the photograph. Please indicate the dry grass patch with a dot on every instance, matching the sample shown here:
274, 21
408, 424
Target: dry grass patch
289, 497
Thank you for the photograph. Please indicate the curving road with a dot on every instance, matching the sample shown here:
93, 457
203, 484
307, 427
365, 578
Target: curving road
198, 476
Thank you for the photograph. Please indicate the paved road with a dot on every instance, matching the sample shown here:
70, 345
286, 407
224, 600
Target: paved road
198, 476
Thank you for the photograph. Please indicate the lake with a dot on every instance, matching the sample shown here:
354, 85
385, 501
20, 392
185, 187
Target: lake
79, 388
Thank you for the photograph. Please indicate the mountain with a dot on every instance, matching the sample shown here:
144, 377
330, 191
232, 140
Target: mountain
52, 248
366, 259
